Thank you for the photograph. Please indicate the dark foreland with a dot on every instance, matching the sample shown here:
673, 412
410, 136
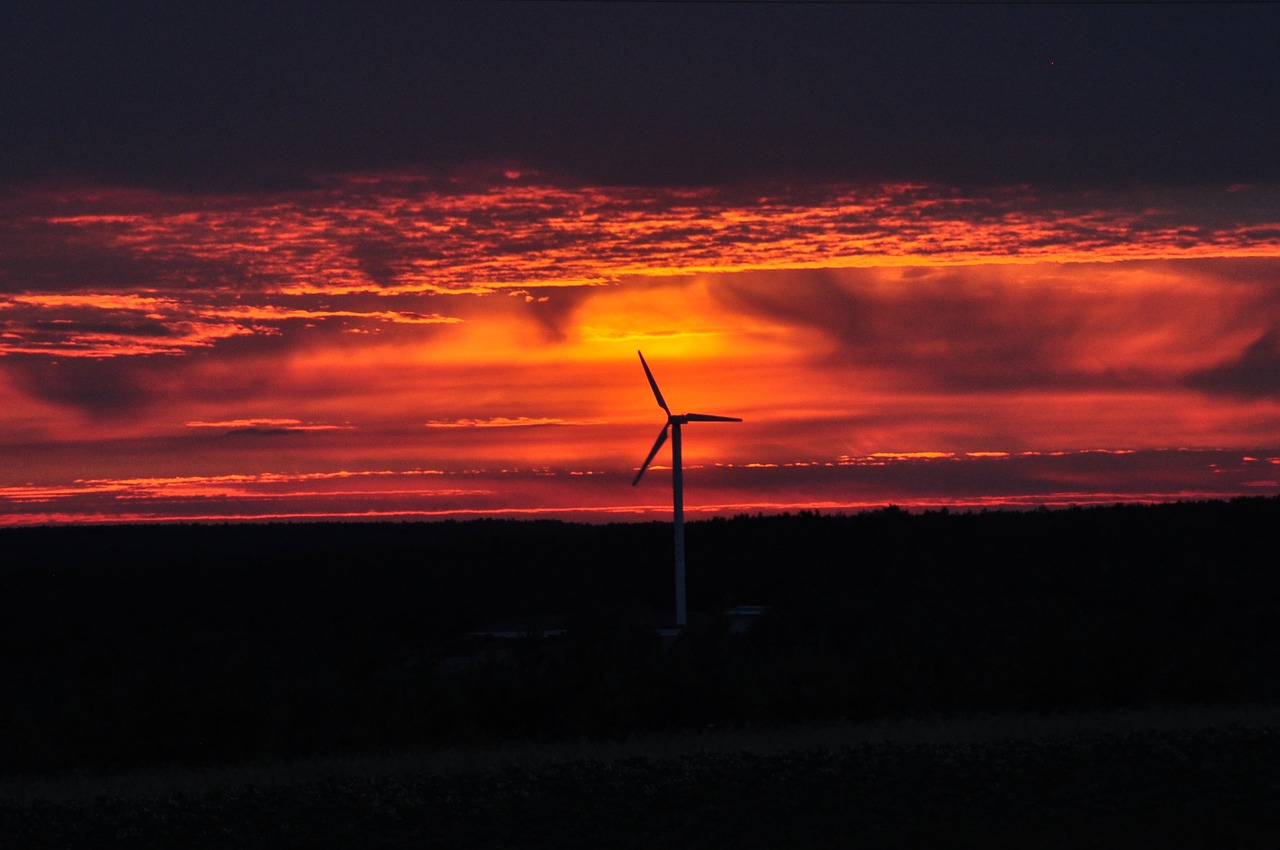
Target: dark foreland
129, 646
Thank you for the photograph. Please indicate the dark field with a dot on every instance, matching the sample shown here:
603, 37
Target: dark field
189, 648
1211, 788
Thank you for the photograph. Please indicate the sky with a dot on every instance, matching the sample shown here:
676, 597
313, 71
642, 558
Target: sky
394, 260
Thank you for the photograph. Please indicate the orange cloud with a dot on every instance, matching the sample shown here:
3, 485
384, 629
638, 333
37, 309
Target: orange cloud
338, 352
417, 233
266, 425
509, 422
1026, 480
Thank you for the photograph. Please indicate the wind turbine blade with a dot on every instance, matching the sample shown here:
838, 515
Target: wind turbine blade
657, 393
707, 417
662, 438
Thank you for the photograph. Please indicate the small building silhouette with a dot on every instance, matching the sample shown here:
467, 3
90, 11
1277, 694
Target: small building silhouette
743, 617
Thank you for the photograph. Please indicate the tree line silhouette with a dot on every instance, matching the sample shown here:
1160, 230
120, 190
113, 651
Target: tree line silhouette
125, 646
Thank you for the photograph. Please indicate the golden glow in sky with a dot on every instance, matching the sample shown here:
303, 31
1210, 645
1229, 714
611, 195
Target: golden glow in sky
410, 345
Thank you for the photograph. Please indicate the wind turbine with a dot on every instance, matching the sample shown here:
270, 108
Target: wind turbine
677, 477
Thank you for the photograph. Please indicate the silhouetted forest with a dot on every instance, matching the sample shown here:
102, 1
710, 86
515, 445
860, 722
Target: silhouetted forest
123, 646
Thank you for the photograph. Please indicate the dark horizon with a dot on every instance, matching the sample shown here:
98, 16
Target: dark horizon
138, 646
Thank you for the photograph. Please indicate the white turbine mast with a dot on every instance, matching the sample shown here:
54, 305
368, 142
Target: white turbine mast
674, 422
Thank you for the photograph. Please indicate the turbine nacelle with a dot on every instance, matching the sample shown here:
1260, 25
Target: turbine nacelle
673, 419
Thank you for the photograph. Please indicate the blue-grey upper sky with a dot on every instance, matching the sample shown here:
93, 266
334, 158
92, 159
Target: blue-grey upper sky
238, 95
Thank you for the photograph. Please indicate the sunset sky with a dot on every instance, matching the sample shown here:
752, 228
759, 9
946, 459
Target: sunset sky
395, 260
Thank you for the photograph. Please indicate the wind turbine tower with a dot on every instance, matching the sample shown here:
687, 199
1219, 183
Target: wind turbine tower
674, 422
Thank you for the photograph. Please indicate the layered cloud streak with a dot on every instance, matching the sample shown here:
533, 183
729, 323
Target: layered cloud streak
484, 323
197, 268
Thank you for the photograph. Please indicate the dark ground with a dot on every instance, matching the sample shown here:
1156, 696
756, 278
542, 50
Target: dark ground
1213, 788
